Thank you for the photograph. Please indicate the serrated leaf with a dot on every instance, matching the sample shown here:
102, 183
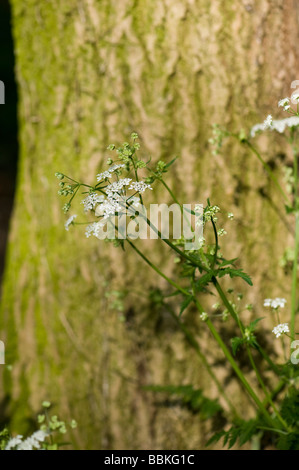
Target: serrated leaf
186, 302
228, 262
235, 273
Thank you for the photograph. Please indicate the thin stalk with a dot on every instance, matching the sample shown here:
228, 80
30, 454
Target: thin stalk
261, 382
239, 374
153, 266
192, 341
189, 336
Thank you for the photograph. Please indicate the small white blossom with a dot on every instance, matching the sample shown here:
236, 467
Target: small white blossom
268, 122
69, 221
94, 229
204, 316
92, 200
230, 215
279, 125
107, 174
284, 103
281, 329
14, 442
275, 303
140, 186
115, 189
295, 98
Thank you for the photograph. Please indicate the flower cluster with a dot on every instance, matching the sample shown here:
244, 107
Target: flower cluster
281, 329
275, 303
31, 443
108, 173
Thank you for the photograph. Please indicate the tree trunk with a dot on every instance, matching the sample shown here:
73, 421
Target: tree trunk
89, 73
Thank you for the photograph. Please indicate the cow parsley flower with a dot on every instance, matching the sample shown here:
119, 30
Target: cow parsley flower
69, 221
92, 200
117, 187
14, 442
275, 303
268, 122
140, 186
279, 125
281, 329
284, 103
107, 174
94, 229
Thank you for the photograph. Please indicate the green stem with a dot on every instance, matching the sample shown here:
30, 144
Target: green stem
189, 336
155, 268
192, 341
261, 382
239, 374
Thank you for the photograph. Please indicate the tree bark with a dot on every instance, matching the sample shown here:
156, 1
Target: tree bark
89, 73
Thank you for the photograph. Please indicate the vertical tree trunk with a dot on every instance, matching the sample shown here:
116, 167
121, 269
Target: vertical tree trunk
89, 73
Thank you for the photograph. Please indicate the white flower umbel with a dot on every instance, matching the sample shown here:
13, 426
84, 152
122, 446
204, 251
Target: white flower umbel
94, 229
140, 186
268, 122
31, 443
281, 329
13, 443
279, 125
107, 174
92, 200
109, 207
117, 188
275, 303
69, 221
284, 103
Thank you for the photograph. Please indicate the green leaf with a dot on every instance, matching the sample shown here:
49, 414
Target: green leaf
290, 409
192, 398
204, 281
235, 273
253, 324
236, 343
228, 262
186, 302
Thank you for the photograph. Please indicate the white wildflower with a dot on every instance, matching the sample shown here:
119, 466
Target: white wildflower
109, 207
281, 329
140, 186
92, 200
279, 125
14, 442
204, 316
268, 122
295, 98
116, 188
94, 229
275, 303
230, 215
107, 174
33, 442
69, 221
284, 103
